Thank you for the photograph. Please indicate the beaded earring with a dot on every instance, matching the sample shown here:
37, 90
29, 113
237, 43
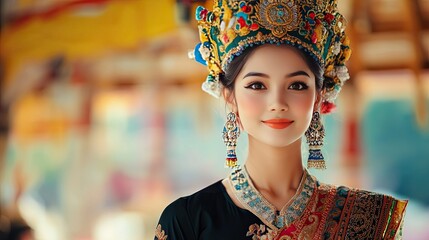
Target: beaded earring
315, 134
230, 134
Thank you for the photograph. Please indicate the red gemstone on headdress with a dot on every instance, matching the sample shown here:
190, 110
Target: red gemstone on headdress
254, 26
314, 38
246, 8
329, 18
225, 38
307, 26
203, 14
312, 15
242, 22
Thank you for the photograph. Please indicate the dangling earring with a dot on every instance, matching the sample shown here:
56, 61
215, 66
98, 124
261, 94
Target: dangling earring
315, 134
230, 134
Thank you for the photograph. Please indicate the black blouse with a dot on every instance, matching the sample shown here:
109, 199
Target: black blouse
207, 214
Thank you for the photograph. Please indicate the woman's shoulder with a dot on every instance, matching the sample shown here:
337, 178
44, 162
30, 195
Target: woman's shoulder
198, 199
178, 220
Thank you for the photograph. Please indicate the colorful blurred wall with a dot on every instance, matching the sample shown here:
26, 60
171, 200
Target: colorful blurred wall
103, 122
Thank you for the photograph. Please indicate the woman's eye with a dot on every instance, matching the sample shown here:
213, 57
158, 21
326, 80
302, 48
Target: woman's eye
256, 86
298, 86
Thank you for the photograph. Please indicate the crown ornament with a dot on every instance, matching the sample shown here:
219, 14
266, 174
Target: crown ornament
313, 26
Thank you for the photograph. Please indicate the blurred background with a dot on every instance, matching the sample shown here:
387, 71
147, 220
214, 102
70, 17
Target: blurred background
103, 123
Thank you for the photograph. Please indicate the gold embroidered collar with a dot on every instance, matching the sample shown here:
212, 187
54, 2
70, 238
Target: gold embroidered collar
253, 201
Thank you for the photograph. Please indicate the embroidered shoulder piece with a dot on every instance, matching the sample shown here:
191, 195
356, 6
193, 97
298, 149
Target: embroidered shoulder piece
359, 214
159, 233
258, 205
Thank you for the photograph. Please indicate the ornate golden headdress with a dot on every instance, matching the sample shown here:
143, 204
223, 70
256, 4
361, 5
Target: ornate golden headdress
313, 26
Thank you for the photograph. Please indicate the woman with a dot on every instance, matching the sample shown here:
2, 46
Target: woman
278, 64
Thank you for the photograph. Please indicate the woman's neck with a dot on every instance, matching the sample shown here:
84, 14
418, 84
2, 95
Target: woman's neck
276, 172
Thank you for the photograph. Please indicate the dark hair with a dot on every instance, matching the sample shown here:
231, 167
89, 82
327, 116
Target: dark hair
228, 78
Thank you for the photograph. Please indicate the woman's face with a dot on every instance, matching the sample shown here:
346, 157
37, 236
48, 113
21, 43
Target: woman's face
274, 95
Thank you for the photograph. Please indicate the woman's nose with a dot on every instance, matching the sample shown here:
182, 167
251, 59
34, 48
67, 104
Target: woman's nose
279, 103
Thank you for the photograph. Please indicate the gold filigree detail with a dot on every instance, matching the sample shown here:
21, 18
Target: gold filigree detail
308, 232
278, 16
261, 232
159, 233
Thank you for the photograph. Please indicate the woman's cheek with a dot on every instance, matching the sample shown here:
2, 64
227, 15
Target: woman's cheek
302, 106
302, 101
250, 106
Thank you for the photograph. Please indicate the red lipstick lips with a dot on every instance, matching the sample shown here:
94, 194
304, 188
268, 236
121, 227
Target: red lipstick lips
278, 123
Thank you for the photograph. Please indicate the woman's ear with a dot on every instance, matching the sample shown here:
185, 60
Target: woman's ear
318, 101
228, 95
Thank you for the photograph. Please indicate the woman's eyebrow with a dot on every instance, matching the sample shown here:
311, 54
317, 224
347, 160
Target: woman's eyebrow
298, 73
256, 74
294, 74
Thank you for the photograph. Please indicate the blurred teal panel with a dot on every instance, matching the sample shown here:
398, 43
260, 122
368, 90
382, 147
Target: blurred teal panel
396, 150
